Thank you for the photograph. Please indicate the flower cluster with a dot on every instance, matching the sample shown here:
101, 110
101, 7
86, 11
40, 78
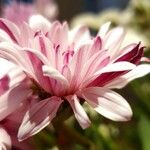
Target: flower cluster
54, 64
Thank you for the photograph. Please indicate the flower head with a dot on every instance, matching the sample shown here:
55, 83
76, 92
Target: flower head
60, 65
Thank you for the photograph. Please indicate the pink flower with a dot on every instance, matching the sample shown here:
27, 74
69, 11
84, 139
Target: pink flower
10, 116
59, 65
19, 12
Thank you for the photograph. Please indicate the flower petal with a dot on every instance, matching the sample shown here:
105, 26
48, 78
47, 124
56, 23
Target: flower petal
79, 36
108, 103
122, 81
5, 140
39, 23
79, 112
145, 59
76, 66
16, 55
4, 84
4, 36
12, 99
133, 56
45, 46
36, 54
113, 40
10, 28
58, 34
4, 69
96, 46
38, 117
111, 68
116, 67
55, 74
94, 63
104, 29
78, 33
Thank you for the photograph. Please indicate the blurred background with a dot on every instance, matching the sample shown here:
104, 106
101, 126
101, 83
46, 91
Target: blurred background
103, 134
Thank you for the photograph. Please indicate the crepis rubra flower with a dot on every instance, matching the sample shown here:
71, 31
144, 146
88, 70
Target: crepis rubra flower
68, 65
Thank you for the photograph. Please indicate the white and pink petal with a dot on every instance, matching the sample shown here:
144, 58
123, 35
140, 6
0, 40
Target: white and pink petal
79, 112
11, 29
108, 103
39, 23
104, 29
15, 54
55, 74
5, 139
113, 40
11, 99
123, 80
38, 117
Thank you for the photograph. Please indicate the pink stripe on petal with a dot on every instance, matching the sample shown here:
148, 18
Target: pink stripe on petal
115, 67
94, 63
66, 72
137, 59
59, 35
110, 72
43, 45
123, 80
76, 65
10, 29
11, 100
38, 117
96, 46
79, 112
127, 49
38, 60
4, 84
55, 74
67, 56
36, 55
129, 55
133, 56
108, 103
